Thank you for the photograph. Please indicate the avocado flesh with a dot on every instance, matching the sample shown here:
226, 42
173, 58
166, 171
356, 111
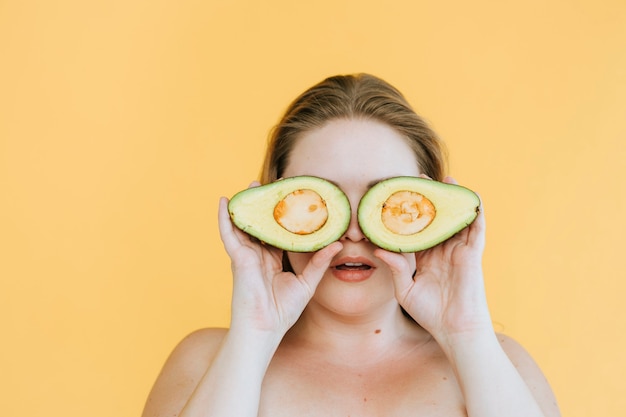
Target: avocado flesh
411, 214
296, 214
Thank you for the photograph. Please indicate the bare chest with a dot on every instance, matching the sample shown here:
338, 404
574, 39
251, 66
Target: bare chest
409, 387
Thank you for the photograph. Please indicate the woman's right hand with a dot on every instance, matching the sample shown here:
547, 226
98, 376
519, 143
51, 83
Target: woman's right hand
264, 297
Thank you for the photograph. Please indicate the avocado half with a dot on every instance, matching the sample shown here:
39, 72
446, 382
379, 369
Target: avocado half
411, 214
296, 214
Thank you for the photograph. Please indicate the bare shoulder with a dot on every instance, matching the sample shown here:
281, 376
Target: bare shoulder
194, 352
531, 373
184, 367
518, 355
200, 342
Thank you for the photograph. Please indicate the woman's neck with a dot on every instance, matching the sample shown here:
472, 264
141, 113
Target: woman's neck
358, 339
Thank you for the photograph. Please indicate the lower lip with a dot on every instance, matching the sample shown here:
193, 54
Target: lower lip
352, 275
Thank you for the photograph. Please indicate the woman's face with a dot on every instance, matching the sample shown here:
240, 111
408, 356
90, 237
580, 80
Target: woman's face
355, 155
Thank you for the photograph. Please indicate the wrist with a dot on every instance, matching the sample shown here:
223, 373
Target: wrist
469, 343
259, 341
470, 324
467, 339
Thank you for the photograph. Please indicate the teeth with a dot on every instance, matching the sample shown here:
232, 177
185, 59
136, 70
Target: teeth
353, 264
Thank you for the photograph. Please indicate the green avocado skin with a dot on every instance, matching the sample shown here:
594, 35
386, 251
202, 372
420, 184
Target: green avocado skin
456, 208
252, 211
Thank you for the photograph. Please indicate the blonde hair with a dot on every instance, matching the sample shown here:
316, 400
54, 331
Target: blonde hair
352, 97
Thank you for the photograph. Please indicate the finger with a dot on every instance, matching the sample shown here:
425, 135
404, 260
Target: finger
254, 184
228, 231
319, 263
477, 229
450, 180
401, 272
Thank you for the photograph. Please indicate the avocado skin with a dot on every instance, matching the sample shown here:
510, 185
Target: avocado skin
456, 208
252, 211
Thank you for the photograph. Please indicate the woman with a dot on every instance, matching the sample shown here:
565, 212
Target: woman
353, 330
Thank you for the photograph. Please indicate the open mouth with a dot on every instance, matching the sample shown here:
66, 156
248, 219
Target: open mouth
353, 266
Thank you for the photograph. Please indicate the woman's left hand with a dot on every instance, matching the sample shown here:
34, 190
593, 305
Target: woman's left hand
446, 295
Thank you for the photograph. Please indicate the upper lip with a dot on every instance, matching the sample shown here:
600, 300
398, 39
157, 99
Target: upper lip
358, 260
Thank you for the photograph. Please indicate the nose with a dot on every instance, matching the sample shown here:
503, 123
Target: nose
354, 232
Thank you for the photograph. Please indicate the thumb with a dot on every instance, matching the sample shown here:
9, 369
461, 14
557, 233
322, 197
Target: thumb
317, 266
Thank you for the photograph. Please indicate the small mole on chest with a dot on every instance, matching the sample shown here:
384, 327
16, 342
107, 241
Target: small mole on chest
377, 331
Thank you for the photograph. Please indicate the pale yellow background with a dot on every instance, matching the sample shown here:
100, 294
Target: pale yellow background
123, 121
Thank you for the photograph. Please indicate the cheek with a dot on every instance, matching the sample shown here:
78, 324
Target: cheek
298, 261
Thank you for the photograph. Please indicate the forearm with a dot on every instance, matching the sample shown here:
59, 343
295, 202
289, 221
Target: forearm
232, 384
490, 383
